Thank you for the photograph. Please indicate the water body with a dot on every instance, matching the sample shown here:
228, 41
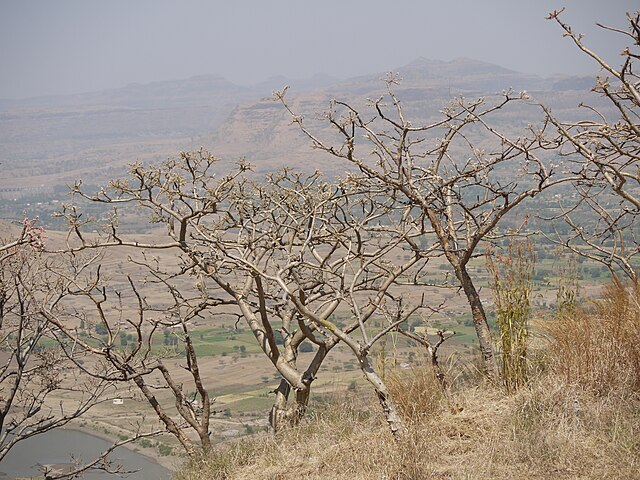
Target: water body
58, 446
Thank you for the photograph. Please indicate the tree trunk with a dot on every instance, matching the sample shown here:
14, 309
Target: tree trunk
172, 427
284, 413
300, 407
278, 414
437, 369
482, 327
389, 408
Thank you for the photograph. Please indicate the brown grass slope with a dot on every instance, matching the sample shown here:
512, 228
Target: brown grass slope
579, 418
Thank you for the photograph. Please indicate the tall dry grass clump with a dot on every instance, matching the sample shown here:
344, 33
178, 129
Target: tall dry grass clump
416, 391
563, 431
597, 346
510, 279
581, 419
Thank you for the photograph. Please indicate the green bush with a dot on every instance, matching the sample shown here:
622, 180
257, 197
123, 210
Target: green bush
164, 449
145, 443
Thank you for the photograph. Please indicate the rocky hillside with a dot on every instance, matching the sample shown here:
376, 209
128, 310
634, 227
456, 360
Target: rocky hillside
260, 130
48, 142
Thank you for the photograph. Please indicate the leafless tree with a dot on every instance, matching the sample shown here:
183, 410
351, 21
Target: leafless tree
122, 311
432, 348
332, 254
30, 234
39, 388
289, 253
459, 175
603, 151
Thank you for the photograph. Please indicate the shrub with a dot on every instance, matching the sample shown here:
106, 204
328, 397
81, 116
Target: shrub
164, 449
145, 443
306, 347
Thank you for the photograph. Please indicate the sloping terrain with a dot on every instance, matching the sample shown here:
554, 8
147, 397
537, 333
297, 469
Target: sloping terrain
50, 142
261, 130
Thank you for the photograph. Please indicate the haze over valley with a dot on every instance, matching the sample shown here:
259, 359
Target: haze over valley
315, 240
48, 143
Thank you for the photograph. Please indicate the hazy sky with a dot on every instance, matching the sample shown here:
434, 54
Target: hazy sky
69, 46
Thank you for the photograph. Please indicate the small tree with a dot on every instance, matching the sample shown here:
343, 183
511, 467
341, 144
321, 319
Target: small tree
455, 191
39, 389
286, 253
603, 150
139, 363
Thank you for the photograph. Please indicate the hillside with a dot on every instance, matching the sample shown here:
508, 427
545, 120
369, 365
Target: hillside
260, 130
53, 140
569, 411
577, 418
50, 142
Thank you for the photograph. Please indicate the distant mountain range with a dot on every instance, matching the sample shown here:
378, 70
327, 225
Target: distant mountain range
46, 142
260, 129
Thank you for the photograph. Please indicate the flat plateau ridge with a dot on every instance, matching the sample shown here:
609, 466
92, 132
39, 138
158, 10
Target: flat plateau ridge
49, 142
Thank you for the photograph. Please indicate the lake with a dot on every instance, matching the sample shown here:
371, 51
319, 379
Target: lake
58, 446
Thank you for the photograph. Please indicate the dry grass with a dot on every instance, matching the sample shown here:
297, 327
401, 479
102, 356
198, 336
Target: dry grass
416, 392
578, 418
537, 433
564, 432
548, 431
599, 345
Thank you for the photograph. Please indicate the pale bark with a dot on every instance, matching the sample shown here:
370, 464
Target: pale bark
389, 408
485, 339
